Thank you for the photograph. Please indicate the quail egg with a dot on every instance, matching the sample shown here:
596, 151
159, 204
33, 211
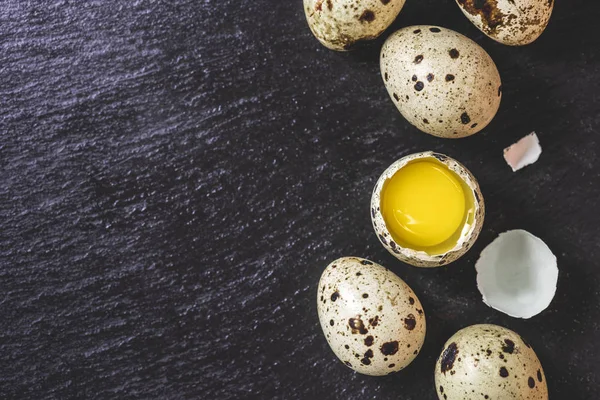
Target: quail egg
427, 209
372, 320
341, 24
442, 82
489, 362
511, 22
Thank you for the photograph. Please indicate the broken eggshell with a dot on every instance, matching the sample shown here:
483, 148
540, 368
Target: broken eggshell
419, 258
372, 320
525, 152
517, 274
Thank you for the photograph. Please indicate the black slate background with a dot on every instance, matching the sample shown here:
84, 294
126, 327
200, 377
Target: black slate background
175, 175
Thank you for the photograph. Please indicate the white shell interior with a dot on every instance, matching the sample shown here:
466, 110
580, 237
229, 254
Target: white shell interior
525, 152
517, 274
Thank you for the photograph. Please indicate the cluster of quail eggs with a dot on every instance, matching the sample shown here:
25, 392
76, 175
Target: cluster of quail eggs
442, 82
448, 86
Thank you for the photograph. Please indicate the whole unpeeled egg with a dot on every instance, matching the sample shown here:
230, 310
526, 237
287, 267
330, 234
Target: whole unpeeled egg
489, 362
340, 24
511, 22
442, 82
372, 320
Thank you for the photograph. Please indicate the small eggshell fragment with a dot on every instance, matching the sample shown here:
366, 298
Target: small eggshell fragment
511, 22
421, 258
372, 320
523, 153
517, 274
340, 24
442, 82
489, 362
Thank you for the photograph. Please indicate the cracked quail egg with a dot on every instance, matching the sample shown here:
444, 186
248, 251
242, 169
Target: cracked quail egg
511, 22
427, 209
442, 82
489, 362
341, 24
372, 320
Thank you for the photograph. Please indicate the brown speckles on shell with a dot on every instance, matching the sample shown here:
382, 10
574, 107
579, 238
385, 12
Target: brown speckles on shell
361, 336
448, 357
479, 369
342, 25
410, 322
488, 10
367, 16
382, 240
464, 118
507, 23
509, 346
413, 64
389, 348
367, 357
356, 325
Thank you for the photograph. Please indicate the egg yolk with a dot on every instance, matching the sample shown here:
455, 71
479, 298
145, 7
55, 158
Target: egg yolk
423, 204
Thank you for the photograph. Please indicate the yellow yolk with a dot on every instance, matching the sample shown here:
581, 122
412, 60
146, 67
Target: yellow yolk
423, 204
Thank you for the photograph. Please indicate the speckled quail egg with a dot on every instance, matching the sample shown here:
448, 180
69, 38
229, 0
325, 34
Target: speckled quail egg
489, 362
372, 320
442, 82
511, 22
340, 24
427, 209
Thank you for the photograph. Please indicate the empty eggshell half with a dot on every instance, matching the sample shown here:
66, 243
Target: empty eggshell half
517, 274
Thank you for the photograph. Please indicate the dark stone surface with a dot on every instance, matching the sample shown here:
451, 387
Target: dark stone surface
177, 174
